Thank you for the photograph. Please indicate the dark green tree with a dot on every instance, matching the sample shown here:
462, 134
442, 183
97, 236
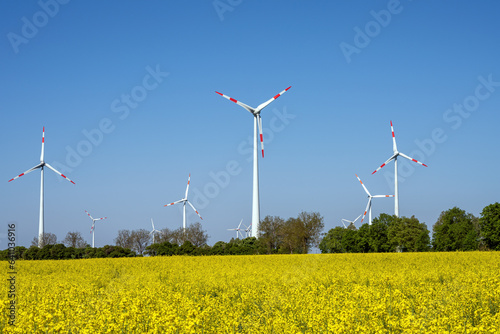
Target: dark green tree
363, 239
350, 241
408, 234
455, 230
332, 241
489, 223
377, 235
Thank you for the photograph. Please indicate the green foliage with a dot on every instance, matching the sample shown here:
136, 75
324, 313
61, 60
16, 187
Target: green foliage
332, 241
377, 235
387, 233
490, 226
455, 230
61, 252
408, 234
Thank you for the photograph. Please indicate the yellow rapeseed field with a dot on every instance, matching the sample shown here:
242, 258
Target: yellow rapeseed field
320, 293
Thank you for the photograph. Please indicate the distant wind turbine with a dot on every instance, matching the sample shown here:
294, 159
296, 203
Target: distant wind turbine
369, 205
41, 165
92, 229
248, 230
238, 230
257, 123
184, 201
395, 158
153, 230
349, 222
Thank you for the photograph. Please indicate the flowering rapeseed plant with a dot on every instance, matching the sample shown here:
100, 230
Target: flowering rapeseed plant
317, 293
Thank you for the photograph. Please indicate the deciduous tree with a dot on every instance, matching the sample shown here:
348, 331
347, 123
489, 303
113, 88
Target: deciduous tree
490, 226
455, 230
75, 240
408, 234
47, 239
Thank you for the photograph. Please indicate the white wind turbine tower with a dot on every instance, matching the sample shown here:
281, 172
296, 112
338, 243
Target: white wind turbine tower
153, 230
395, 158
349, 222
369, 205
238, 230
92, 229
184, 201
257, 123
41, 165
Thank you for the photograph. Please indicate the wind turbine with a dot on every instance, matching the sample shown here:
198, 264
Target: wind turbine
238, 230
257, 122
92, 229
369, 205
153, 231
248, 230
349, 222
41, 165
184, 201
395, 158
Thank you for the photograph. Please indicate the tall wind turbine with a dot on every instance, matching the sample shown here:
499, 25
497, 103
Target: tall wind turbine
92, 229
349, 222
153, 230
257, 123
41, 165
369, 205
238, 230
395, 158
184, 201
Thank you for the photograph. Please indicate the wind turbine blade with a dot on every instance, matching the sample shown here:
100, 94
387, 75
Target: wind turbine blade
152, 224
356, 219
88, 214
247, 107
344, 223
367, 207
378, 196
385, 163
394, 147
101, 218
28, 171
265, 104
407, 157
187, 187
366, 190
179, 201
239, 225
46, 164
259, 119
194, 209
92, 228
43, 145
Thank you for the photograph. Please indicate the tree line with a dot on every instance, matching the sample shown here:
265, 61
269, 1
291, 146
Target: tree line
295, 235
455, 230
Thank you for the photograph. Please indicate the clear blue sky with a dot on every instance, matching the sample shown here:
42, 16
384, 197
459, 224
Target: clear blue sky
352, 69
